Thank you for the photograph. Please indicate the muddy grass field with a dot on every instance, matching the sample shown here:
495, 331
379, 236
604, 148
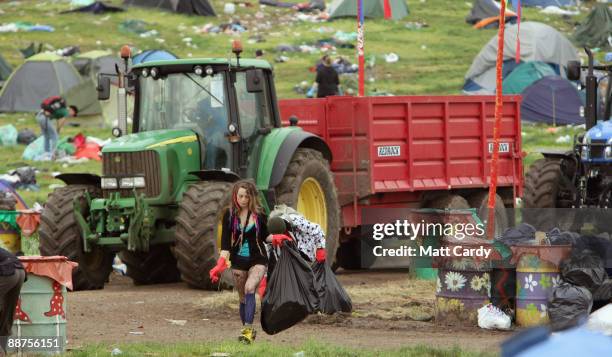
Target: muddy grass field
390, 311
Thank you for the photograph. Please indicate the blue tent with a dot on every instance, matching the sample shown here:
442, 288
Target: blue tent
552, 100
545, 3
152, 55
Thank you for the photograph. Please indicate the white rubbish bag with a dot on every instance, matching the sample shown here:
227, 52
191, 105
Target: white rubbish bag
491, 318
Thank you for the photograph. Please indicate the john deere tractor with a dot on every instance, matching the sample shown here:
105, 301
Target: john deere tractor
198, 125
581, 178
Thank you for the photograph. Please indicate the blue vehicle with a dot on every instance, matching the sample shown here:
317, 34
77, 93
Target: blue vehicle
582, 177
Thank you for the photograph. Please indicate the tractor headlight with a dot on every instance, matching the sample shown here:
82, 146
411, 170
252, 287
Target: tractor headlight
132, 182
126, 182
608, 150
584, 153
139, 182
108, 183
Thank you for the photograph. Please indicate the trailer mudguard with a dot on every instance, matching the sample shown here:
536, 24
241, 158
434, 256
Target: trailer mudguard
80, 179
278, 149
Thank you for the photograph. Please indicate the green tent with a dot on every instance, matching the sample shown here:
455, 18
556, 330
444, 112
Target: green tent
5, 69
524, 75
371, 9
89, 65
597, 27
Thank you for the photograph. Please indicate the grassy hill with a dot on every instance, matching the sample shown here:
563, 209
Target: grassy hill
433, 59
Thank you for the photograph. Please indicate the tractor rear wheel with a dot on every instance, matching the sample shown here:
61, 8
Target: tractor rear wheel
157, 266
197, 231
480, 201
308, 186
60, 234
544, 188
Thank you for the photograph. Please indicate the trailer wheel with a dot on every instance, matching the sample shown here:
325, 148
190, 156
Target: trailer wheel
450, 201
157, 266
545, 188
480, 201
60, 235
197, 228
308, 186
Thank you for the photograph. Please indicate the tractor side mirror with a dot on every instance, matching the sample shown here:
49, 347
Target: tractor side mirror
131, 81
103, 87
255, 80
573, 70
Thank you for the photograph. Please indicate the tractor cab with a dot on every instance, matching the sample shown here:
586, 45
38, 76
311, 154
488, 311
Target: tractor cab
227, 104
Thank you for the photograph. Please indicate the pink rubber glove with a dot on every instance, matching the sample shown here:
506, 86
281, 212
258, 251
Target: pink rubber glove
277, 239
217, 270
321, 255
262, 287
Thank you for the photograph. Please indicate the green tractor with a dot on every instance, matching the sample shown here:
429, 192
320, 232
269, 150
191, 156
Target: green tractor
198, 125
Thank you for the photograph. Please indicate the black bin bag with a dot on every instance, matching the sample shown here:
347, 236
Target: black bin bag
569, 306
333, 297
290, 295
584, 269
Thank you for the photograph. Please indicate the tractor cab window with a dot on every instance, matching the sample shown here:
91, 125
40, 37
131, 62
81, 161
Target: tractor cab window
189, 102
253, 108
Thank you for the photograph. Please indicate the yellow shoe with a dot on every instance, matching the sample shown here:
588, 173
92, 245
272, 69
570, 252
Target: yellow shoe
247, 335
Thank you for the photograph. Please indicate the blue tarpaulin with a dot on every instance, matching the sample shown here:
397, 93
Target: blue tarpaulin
152, 55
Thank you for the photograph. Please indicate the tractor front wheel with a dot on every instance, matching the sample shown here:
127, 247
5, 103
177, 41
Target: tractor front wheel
60, 234
197, 230
547, 189
308, 186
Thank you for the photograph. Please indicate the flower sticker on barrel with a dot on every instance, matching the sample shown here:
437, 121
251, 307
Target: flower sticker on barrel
454, 281
530, 283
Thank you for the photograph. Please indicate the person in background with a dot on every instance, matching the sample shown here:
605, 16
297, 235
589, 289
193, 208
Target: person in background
259, 54
53, 108
327, 82
12, 277
243, 236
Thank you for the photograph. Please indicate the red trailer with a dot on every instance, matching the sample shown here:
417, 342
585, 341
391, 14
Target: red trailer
413, 151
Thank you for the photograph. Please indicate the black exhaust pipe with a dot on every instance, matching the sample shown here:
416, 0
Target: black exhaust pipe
590, 112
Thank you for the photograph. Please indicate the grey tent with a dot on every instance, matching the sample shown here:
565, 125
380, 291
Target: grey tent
40, 76
539, 42
371, 9
597, 28
89, 64
483, 10
187, 7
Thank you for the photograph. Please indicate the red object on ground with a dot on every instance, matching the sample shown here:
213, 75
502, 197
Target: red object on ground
85, 149
89, 150
394, 151
321, 255
58, 268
